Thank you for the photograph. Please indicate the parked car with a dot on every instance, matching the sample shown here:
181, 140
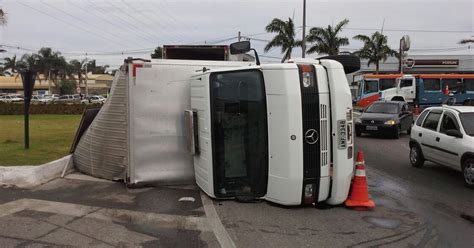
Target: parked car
52, 97
68, 99
93, 99
388, 117
39, 99
10, 99
445, 135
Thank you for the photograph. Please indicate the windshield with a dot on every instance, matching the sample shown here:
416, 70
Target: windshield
467, 120
385, 108
239, 123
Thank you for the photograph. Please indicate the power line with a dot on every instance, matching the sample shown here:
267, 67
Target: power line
127, 25
68, 23
79, 19
408, 30
101, 18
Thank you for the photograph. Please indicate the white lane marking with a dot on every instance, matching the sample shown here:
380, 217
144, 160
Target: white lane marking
187, 199
219, 230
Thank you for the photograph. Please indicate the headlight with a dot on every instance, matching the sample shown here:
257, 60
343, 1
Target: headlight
308, 79
390, 122
357, 120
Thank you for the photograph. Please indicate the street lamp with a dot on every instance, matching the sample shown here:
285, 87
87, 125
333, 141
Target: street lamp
404, 46
28, 77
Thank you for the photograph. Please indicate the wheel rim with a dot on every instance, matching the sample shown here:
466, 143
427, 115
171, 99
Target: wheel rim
469, 173
413, 155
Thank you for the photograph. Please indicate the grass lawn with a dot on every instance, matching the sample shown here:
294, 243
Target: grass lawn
50, 138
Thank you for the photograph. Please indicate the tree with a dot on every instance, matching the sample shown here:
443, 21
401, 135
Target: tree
285, 37
77, 68
158, 53
375, 49
67, 87
326, 39
11, 63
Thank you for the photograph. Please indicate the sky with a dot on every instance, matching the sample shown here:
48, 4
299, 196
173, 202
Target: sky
111, 30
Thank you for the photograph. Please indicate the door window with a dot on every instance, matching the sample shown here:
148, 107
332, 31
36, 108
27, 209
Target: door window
420, 118
469, 84
432, 84
406, 83
239, 133
371, 86
386, 83
449, 122
431, 121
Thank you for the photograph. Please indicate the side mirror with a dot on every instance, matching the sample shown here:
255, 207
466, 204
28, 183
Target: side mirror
454, 133
240, 47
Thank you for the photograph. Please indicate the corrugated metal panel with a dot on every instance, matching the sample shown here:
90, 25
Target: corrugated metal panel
103, 149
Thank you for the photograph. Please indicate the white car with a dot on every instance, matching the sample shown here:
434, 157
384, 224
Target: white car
93, 99
10, 99
445, 135
40, 99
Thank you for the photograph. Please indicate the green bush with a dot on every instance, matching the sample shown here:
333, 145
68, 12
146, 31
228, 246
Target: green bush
67, 87
57, 108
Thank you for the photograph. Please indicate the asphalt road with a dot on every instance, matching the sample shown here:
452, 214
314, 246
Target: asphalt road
415, 208
435, 193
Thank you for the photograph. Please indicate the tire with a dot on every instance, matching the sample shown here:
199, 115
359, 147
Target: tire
468, 172
416, 156
396, 133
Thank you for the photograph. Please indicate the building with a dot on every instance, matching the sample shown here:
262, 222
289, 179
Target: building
96, 84
418, 64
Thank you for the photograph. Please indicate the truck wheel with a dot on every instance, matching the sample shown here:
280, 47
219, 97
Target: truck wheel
468, 172
416, 156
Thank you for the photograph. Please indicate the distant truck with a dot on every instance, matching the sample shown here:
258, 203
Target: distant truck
432, 89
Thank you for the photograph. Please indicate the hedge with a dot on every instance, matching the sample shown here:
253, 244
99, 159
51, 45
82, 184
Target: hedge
59, 108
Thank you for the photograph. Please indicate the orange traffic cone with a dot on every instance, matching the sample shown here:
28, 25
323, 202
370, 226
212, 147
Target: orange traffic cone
359, 195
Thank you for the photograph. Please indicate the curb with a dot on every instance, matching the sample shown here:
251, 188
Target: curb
26, 177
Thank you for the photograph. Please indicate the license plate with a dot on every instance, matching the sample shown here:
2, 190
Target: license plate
371, 128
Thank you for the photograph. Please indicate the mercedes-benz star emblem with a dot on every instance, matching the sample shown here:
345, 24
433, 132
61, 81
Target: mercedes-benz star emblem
372, 122
311, 136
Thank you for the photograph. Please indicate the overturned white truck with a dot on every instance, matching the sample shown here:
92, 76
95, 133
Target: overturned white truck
280, 132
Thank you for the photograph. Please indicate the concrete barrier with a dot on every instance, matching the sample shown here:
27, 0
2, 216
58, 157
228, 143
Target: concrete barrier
31, 176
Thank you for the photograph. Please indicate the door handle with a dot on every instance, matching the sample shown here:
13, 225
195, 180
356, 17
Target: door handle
437, 139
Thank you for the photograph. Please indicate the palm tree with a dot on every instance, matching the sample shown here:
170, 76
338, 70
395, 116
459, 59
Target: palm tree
285, 37
77, 68
11, 63
326, 39
375, 49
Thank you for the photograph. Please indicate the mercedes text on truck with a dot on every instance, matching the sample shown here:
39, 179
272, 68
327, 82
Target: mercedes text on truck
280, 132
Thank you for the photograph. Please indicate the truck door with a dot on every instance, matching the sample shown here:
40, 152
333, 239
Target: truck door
407, 89
237, 144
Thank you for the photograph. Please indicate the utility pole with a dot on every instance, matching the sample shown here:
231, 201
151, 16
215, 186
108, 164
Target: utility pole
87, 88
303, 46
239, 36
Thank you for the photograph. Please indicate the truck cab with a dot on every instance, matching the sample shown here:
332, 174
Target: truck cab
280, 132
405, 90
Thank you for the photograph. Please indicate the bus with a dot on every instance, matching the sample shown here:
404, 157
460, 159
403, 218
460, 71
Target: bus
371, 86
